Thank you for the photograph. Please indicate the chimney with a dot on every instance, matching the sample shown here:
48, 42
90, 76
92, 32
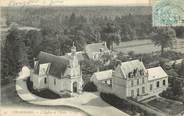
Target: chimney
104, 43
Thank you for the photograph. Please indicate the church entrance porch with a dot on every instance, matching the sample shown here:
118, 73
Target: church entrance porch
74, 87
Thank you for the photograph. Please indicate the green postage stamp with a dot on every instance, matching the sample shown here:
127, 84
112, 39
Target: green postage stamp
168, 12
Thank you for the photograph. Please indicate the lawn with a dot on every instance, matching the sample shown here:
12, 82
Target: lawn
145, 46
167, 106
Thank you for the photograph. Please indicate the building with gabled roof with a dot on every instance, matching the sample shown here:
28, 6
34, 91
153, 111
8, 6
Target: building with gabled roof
156, 73
60, 74
137, 82
132, 80
95, 50
102, 76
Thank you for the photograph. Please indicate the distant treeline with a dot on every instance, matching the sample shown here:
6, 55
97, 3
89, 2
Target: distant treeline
61, 26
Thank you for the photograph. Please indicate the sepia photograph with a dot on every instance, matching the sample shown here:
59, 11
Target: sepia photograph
92, 58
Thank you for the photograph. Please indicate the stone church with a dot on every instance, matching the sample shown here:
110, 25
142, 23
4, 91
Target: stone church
60, 74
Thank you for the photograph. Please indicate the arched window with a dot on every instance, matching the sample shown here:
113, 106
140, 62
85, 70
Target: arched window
132, 83
54, 81
151, 87
158, 84
143, 90
143, 80
45, 80
132, 93
138, 92
75, 87
163, 82
137, 81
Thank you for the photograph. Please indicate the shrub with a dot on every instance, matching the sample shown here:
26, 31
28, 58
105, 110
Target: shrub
90, 86
43, 93
124, 105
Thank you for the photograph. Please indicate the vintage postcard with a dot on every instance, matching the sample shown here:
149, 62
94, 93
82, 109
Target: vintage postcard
92, 57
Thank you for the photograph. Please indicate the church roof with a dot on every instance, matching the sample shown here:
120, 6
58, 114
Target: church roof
131, 67
91, 49
156, 73
58, 63
103, 75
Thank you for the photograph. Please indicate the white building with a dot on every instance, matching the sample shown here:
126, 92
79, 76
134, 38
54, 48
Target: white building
103, 80
60, 74
131, 80
96, 50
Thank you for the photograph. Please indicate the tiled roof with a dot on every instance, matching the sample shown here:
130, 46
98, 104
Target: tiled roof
91, 49
58, 63
103, 75
130, 66
156, 73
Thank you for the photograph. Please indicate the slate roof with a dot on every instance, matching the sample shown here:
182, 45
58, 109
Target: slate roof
131, 66
58, 63
91, 49
156, 73
103, 75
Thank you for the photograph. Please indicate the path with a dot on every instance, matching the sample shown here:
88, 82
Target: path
88, 102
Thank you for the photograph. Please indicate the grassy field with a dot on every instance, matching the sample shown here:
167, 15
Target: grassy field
145, 46
167, 106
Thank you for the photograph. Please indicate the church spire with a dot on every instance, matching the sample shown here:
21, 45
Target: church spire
73, 49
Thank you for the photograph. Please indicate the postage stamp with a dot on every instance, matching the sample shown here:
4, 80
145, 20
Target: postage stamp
168, 13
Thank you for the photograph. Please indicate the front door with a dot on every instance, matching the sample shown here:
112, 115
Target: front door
75, 87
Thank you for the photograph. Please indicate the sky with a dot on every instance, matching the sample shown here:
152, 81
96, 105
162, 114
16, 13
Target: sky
73, 2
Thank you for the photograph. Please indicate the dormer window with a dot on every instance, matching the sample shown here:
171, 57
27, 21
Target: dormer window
135, 72
101, 49
141, 72
130, 74
69, 66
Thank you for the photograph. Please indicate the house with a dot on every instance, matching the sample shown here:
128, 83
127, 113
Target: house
174, 63
96, 50
102, 77
103, 80
132, 80
60, 74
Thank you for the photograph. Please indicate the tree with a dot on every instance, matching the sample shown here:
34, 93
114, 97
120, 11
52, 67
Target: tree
33, 40
177, 87
72, 19
65, 44
51, 45
179, 31
181, 70
88, 67
111, 34
15, 51
122, 57
164, 37
77, 36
